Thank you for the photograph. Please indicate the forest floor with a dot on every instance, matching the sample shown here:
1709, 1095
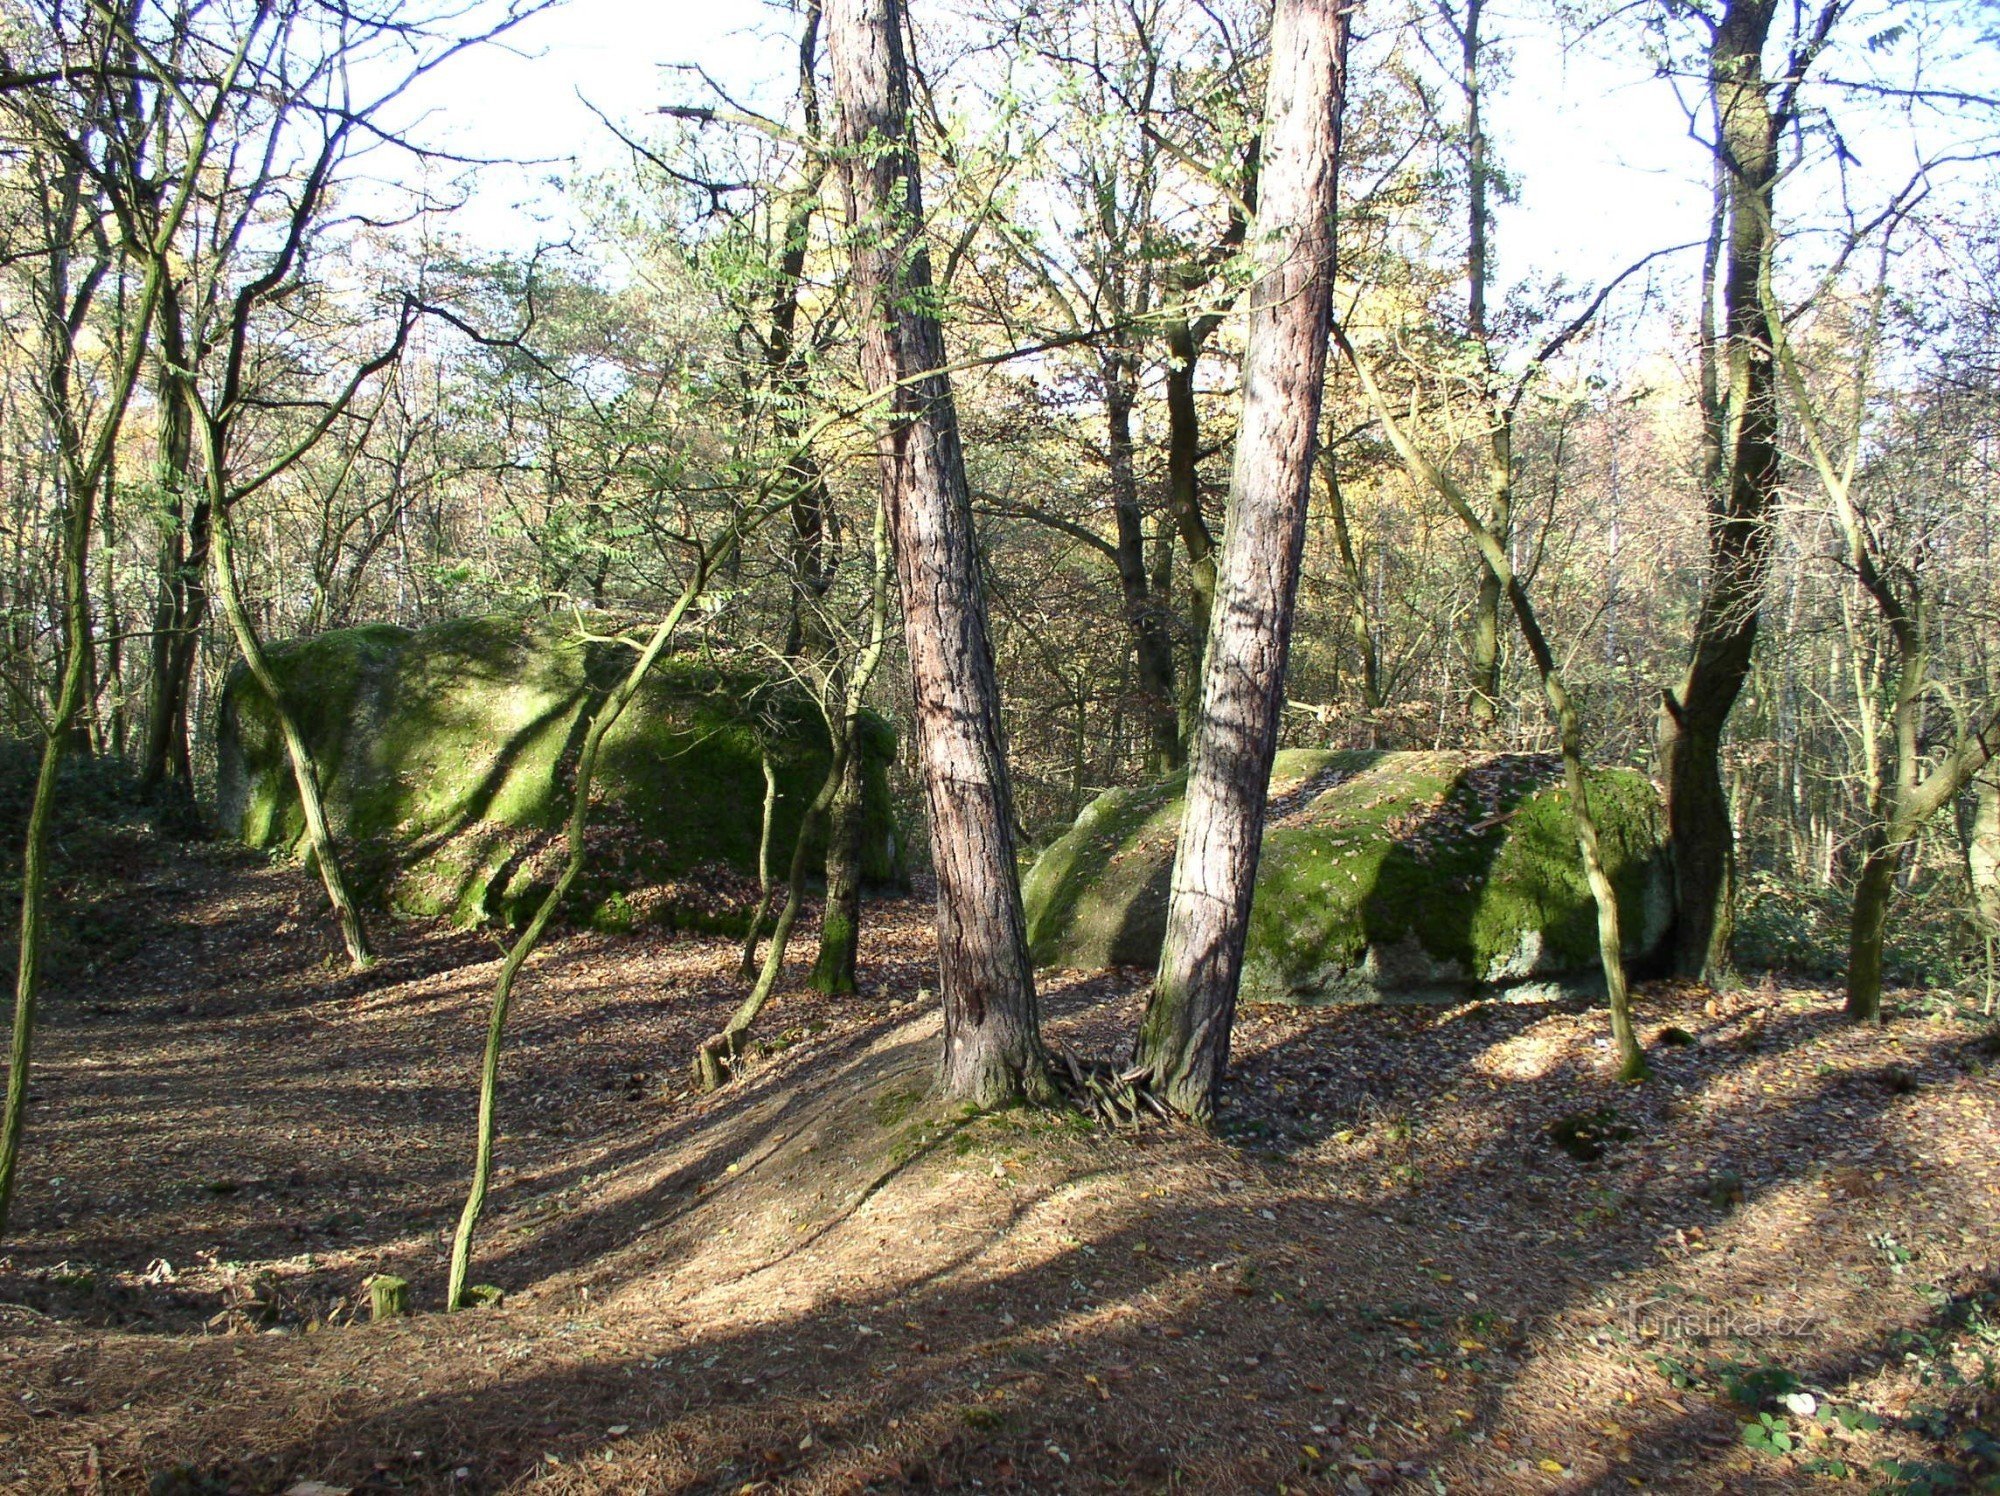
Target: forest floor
1385, 1272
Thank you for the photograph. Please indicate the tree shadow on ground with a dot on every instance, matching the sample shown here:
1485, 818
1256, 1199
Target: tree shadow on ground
1036, 1342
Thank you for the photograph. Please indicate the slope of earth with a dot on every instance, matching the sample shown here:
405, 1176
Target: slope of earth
1431, 1249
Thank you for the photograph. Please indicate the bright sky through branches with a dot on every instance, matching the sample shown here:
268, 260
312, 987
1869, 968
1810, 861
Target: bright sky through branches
1608, 171
1598, 144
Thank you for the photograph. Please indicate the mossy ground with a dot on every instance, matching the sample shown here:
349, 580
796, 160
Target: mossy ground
447, 756
1407, 873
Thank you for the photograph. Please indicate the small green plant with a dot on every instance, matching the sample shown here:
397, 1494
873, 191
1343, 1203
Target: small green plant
1770, 1435
1679, 1374
1756, 1387
1585, 1136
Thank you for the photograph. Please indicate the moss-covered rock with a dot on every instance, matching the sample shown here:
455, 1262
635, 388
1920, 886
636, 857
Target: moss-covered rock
447, 755
1408, 875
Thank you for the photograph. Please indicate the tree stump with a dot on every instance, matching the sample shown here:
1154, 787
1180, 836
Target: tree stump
388, 1297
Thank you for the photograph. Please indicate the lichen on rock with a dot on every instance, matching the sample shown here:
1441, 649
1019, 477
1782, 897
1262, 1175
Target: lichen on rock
447, 755
1418, 876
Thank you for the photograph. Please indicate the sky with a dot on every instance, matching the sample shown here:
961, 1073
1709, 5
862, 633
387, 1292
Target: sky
1607, 170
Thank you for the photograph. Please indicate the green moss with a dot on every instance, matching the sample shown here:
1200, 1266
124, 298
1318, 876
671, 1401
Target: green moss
893, 1108
447, 755
1419, 873
833, 970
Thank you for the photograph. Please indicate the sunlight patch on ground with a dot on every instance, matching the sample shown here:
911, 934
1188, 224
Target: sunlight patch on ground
1528, 1056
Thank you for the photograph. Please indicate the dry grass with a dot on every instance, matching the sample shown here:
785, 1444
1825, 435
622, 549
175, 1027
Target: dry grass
1384, 1274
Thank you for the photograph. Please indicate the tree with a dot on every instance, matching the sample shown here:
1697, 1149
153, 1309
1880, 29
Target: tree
603, 715
69, 126
1903, 789
1740, 470
992, 1042
839, 695
1561, 705
1183, 1046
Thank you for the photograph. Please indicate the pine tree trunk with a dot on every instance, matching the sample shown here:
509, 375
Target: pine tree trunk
992, 1039
1183, 1047
1743, 471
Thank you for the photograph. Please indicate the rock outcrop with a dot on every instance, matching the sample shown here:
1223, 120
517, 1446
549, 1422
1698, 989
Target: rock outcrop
1411, 876
446, 755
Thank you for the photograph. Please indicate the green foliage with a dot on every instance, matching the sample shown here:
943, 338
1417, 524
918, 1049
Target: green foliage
1755, 1386
1585, 1136
1769, 1435
1784, 925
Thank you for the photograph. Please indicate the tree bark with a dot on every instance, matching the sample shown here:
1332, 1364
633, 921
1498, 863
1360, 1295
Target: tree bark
1143, 614
1979, 834
166, 770
747, 967
840, 925
992, 1033
1183, 1046
1184, 480
1742, 465
305, 771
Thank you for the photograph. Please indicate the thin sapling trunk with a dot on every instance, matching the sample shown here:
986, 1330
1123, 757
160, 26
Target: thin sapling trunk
607, 717
747, 968
305, 772
1610, 938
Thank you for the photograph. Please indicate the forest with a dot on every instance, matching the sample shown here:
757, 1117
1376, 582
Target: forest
1152, 745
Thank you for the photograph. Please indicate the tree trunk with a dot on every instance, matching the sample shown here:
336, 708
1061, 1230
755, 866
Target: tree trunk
1569, 727
992, 1040
1979, 831
718, 1051
1743, 470
166, 771
1485, 701
747, 967
34, 854
840, 926
1184, 487
1151, 642
1868, 924
1359, 621
305, 773
1491, 596
1183, 1047
576, 847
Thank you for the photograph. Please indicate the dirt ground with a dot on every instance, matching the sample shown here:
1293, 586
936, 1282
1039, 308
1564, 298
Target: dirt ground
1431, 1250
